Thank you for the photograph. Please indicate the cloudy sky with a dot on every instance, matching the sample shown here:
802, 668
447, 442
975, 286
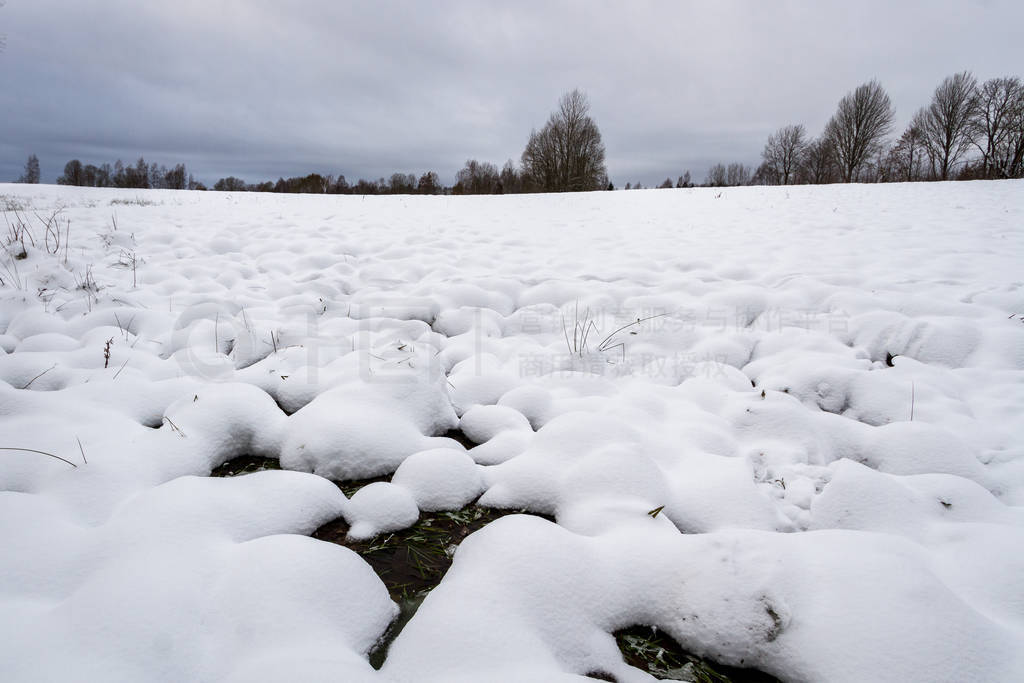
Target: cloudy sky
262, 89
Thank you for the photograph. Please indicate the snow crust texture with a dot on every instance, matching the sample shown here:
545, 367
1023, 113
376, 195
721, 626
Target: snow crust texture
783, 425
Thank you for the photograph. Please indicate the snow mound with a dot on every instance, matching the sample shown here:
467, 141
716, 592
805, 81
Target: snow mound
482, 423
362, 429
378, 508
440, 479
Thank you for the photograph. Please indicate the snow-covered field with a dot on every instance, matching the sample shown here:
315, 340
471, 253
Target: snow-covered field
824, 394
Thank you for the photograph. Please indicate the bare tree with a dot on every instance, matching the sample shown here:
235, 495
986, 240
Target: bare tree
783, 150
364, 186
176, 178
567, 155
881, 168
946, 123
31, 174
737, 174
858, 128
1014, 164
73, 174
230, 184
105, 175
477, 178
818, 165
90, 176
540, 161
906, 158
717, 176
511, 179
400, 183
998, 128
721, 175
766, 174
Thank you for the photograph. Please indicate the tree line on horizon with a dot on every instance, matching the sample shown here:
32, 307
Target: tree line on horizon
138, 176
963, 116
567, 154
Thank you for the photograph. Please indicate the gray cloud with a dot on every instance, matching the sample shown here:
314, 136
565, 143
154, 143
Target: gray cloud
261, 89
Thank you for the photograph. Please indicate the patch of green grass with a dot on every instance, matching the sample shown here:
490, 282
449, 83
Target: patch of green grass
350, 487
412, 562
246, 464
655, 652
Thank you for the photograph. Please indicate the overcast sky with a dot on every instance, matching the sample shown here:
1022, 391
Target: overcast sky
262, 89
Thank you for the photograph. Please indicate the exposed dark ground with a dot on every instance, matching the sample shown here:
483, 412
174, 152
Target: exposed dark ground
411, 562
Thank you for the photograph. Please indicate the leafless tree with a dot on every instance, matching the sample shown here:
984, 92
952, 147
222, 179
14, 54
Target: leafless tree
567, 155
783, 150
737, 174
1015, 143
402, 183
998, 125
818, 165
717, 176
176, 178
511, 179
906, 158
945, 125
766, 174
230, 184
73, 174
881, 168
477, 178
721, 175
858, 128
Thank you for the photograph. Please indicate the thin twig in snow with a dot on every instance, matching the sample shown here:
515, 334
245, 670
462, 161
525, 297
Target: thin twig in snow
911, 401
603, 346
174, 427
32, 450
39, 375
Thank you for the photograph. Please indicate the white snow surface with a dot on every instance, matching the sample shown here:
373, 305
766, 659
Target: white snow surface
824, 394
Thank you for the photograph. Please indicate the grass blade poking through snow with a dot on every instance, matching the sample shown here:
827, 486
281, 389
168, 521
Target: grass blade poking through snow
32, 450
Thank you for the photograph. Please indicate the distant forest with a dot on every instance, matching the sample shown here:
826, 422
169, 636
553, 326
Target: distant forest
968, 131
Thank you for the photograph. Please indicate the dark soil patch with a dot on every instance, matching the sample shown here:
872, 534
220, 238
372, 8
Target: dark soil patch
245, 464
655, 652
350, 487
412, 562
458, 435
406, 609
